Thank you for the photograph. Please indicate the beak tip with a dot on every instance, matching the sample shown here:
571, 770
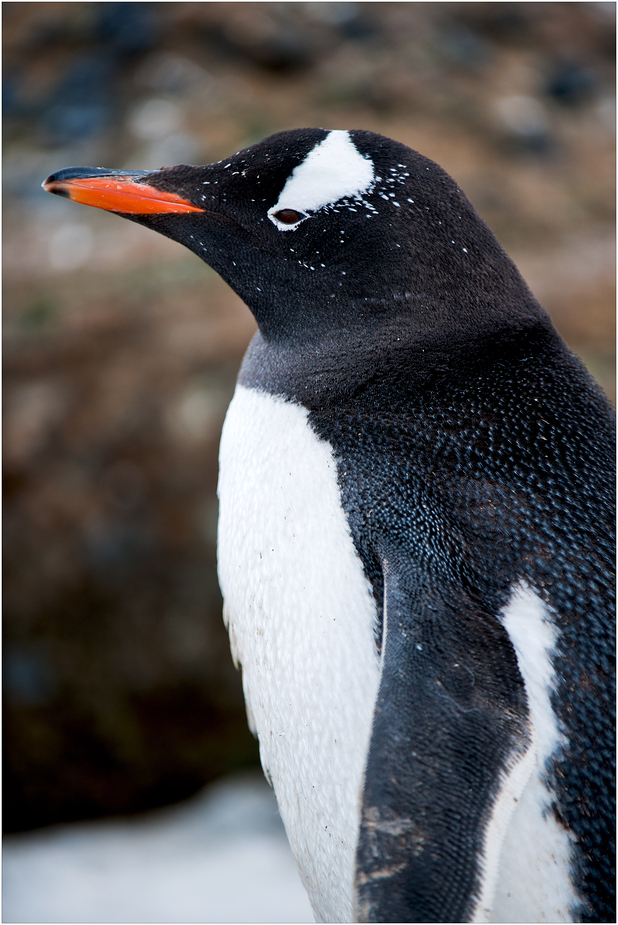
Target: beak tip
50, 185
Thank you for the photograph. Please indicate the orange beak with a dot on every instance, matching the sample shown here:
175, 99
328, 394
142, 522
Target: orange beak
115, 191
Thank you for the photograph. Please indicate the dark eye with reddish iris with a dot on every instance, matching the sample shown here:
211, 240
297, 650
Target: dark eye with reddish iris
289, 216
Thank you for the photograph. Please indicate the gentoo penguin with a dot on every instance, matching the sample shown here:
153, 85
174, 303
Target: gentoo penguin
415, 533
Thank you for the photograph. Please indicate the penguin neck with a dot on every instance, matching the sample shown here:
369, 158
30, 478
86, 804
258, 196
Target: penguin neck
395, 353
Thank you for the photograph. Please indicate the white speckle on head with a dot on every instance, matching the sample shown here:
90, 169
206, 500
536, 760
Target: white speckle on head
333, 170
527, 854
301, 616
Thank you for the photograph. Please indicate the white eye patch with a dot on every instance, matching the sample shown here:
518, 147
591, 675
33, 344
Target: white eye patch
333, 170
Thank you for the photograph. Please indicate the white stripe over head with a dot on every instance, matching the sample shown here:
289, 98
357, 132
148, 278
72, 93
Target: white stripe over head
334, 169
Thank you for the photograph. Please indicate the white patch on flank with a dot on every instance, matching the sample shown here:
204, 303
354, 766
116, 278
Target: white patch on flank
333, 170
527, 852
301, 618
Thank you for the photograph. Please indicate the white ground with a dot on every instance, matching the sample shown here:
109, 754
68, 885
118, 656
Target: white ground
220, 857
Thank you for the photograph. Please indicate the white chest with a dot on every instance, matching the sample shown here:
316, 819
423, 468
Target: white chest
301, 619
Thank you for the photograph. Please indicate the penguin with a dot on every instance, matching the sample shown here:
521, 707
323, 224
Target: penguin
415, 539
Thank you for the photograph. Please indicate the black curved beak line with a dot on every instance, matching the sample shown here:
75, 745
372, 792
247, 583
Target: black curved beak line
124, 191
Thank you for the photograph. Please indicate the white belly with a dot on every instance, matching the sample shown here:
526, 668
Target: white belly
301, 617
527, 853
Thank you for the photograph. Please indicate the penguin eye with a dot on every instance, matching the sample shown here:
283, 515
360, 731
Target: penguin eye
289, 216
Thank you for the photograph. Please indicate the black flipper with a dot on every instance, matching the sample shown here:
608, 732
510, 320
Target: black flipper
451, 717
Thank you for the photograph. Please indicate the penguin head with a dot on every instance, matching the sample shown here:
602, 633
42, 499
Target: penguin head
325, 233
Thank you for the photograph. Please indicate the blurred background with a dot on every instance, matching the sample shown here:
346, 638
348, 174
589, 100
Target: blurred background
121, 349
